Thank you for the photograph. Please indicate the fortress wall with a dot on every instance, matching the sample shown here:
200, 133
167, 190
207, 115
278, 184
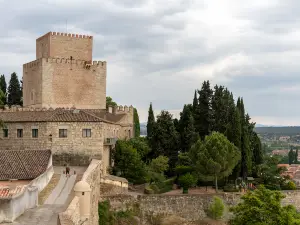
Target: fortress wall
72, 83
32, 83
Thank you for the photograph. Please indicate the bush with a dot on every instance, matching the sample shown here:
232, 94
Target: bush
216, 208
148, 190
289, 186
230, 188
186, 181
273, 187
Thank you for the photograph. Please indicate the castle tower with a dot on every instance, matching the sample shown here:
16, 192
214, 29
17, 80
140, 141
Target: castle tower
64, 75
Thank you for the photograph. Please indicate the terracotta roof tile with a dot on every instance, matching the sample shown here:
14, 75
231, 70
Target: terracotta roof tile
6, 192
61, 115
23, 165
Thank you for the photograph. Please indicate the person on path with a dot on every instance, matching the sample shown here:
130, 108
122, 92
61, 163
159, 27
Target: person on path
67, 171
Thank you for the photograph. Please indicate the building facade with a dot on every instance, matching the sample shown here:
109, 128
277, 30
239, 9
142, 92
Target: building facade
64, 97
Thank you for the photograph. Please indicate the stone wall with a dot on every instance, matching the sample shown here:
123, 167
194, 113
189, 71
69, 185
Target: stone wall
71, 216
93, 176
189, 207
69, 83
64, 45
112, 185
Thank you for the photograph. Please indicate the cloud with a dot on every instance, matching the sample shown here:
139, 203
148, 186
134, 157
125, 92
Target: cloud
160, 52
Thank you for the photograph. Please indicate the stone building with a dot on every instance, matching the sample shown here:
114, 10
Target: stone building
64, 98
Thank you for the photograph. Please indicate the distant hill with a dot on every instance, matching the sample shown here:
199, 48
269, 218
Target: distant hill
284, 130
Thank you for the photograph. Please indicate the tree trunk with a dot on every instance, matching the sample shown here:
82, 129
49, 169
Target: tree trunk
216, 183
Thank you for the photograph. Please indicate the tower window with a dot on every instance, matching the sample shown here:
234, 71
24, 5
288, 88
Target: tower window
35, 133
71, 57
5, 133
19, 133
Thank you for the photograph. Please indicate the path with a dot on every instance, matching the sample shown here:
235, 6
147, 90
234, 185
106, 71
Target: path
57, 201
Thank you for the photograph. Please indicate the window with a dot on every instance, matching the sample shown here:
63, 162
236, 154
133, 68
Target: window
19, 133
35, 133
86, 133
63, 133
5, 133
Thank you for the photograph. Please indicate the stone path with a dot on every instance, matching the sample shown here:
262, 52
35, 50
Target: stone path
42, 215
57, 201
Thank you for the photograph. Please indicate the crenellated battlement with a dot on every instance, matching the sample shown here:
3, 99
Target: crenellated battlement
65, 35
78, 62
70, 35
120, 109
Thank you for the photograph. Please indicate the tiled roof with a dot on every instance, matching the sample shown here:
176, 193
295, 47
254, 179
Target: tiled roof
6, 192
60, 115
23, 165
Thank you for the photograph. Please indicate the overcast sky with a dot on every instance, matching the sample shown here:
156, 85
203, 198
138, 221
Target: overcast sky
161, 51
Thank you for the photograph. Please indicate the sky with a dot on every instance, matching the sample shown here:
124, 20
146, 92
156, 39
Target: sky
162, 51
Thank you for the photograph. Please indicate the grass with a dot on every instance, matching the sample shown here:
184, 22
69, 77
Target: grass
44, 194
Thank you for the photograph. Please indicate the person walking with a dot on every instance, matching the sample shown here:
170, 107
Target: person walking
67, 171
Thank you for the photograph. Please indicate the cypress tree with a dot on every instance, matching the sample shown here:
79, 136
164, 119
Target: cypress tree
195, 101
151, 121
3, 88
296, 156
203, 113
136, 123
14, 91
188, 134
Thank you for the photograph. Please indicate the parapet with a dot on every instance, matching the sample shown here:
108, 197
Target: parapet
76, 62
65, 35
70, 35
120, 109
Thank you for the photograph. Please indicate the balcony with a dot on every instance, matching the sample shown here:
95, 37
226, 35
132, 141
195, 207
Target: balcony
110, 141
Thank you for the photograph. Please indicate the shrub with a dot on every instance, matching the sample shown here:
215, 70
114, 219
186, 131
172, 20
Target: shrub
273, 187
230, 188
216, 208
289, 186
186, 181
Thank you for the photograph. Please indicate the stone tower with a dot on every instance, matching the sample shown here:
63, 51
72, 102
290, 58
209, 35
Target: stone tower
64, 75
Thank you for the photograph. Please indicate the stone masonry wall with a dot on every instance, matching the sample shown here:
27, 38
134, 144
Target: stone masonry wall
74, 150
69, 83
63, 45
32, 84
189, 207
93, 177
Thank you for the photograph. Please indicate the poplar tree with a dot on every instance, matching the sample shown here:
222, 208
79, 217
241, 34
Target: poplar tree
14, 91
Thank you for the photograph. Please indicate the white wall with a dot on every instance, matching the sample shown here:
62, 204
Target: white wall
11, 208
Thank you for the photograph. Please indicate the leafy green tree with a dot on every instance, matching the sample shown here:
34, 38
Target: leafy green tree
151, 122
188, 134
165, 138
263, 207
184, 164
110, 102
157, 167
216, 208
219, 104
270, 173
3, 88
136, 123
186, 181
142, 147
159, 164
14, 91
203, 112
128, 162
214, 158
